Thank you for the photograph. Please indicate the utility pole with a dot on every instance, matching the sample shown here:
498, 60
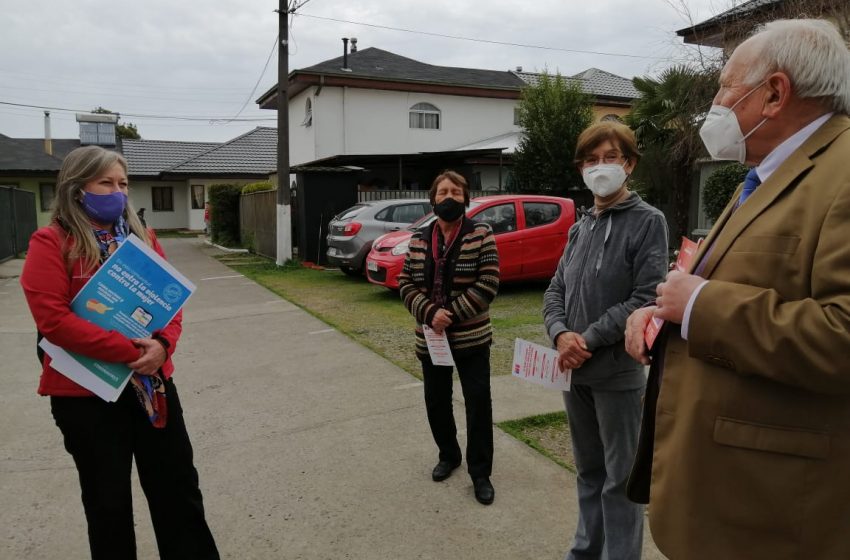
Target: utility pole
284, 208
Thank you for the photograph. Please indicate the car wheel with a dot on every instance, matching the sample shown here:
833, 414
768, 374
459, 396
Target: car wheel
350, 271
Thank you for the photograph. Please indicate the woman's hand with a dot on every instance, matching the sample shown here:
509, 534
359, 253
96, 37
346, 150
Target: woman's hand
152, 358
572, 350
442, 319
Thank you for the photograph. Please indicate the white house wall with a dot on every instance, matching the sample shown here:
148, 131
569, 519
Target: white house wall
140, 197
302, 139
365, 121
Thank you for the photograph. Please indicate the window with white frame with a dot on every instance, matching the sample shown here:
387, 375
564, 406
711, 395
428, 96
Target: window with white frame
425, 115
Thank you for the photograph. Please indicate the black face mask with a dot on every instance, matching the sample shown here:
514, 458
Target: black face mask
449, 209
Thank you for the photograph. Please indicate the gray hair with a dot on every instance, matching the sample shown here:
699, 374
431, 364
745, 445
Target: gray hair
813, 55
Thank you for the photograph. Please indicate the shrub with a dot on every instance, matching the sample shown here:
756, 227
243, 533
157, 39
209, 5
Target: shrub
258, 186
719, 188
224, 214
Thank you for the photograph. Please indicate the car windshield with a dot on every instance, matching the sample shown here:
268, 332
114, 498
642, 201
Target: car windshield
350, 213
426, 220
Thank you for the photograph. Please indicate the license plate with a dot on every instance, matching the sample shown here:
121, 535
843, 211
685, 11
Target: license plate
372, 266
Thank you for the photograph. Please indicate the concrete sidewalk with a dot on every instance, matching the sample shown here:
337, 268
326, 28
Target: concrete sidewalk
308, 445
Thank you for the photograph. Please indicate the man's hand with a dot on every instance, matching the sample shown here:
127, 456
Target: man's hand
572, 350
152, 358
673, 295
442, 319
635, 327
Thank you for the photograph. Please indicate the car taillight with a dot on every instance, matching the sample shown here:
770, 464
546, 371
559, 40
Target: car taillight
351, 228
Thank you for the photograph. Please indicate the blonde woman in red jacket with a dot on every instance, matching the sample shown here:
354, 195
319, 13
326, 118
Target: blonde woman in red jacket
91, 217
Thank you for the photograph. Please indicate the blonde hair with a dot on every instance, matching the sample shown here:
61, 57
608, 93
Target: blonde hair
78, 168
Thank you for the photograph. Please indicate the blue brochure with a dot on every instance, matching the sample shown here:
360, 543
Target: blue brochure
135, 292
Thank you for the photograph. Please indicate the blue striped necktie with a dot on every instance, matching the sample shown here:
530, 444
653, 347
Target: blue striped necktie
751, 181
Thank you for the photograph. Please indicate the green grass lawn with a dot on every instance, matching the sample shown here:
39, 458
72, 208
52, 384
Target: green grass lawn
376, 318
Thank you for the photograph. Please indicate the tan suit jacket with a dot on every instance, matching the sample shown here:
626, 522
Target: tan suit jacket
751, 419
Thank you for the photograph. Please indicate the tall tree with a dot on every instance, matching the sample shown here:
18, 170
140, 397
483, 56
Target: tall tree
127, 130
666, 120
552, 114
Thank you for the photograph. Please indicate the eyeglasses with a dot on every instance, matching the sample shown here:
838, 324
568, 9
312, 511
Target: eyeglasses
610, 157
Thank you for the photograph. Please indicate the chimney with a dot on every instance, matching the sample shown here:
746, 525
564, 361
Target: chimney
353, 45
48, 141
345, 67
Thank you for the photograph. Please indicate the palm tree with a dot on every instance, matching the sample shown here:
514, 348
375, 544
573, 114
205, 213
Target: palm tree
666, 120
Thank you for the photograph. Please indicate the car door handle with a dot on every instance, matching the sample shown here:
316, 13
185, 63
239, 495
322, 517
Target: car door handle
395, 228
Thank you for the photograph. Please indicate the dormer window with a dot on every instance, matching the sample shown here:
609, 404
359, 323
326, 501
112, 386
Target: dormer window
425, 115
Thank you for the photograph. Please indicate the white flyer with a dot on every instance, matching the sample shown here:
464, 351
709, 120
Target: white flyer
438, 347
539, 364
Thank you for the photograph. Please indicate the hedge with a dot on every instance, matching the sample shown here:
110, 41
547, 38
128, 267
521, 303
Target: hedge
224, 214
258, 186
719, 188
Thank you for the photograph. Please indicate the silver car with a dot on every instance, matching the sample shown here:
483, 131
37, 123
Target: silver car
351, 233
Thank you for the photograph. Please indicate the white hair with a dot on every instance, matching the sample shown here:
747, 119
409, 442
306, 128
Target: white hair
813, 55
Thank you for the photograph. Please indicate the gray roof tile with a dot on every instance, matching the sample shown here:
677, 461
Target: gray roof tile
380, 64
150, 157
738, 12
593, 81
253, 153
24, 156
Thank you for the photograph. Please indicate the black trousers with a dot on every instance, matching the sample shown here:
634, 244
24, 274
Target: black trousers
474, 373
103, 438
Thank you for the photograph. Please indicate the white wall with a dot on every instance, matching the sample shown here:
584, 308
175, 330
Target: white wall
302, 139
365, 121
140, 196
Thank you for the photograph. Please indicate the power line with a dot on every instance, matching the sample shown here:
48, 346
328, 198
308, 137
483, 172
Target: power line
488, 41
254, 89
213, 120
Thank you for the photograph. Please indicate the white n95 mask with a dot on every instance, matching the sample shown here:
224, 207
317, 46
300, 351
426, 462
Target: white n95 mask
604, 179
721, 132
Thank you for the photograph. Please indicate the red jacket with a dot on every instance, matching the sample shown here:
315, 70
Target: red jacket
50, 282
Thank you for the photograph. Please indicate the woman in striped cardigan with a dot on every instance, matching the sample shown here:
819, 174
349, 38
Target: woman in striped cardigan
449, 279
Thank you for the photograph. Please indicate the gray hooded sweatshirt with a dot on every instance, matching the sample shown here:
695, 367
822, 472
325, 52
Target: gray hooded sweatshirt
610, 267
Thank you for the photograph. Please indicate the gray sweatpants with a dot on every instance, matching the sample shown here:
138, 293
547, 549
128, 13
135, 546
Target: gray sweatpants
604, 428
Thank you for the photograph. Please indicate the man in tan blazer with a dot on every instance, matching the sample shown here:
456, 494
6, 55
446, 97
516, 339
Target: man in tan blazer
745, 443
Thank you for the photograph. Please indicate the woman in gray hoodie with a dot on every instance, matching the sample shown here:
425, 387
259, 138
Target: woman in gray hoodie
615, 257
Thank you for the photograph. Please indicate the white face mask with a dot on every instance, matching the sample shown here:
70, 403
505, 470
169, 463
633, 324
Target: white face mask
721, 132
604, 179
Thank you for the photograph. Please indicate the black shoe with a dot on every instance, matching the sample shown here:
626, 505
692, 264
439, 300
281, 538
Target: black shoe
443, 470
484, 491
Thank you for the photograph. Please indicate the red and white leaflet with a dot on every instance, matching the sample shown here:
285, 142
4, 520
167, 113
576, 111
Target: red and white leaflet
539, 364
687, 252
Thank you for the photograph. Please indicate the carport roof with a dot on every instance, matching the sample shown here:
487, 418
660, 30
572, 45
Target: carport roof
366, 160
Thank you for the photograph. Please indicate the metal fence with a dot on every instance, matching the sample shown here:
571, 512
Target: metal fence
258, 222
366, 196
17, 221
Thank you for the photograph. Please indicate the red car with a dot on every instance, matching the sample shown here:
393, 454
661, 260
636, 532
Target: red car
531, 232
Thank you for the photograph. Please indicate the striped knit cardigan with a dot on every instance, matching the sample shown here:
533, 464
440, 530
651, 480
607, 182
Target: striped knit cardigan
471, 280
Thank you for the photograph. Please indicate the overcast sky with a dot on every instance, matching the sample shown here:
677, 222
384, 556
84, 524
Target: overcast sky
193, 58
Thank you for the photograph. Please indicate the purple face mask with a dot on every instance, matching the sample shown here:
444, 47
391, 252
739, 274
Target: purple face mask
104, 208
